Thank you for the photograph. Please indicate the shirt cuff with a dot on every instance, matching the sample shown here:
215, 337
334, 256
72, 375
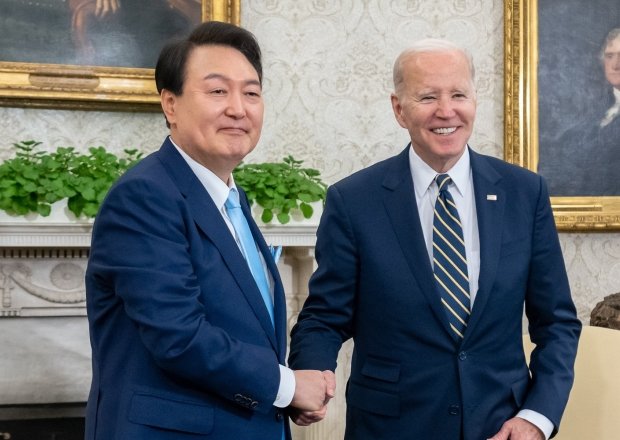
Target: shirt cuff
286, 390
537, 419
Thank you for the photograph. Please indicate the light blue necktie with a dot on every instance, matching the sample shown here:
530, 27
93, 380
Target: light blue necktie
248, 248
449, 260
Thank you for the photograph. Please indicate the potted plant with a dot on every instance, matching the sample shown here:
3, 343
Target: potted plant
33, 180
283, 189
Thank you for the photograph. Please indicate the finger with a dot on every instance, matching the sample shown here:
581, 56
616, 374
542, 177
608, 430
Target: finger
304, 419
330, 379
299, 421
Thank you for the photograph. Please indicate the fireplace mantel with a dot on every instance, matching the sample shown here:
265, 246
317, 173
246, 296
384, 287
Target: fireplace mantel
77, 235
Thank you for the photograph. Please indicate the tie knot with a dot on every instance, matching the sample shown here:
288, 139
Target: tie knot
233, 200
443, 181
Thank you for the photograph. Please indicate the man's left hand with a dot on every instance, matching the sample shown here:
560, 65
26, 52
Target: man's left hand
518, 429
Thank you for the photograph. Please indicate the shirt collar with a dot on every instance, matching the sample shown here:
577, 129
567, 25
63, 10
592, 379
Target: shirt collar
217, 189
424, 175
617, 96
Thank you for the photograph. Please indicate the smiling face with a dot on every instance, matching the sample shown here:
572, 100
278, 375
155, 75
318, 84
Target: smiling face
218, 117
611, 62
436, 103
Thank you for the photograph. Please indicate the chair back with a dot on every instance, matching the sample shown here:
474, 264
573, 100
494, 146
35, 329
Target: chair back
593, 410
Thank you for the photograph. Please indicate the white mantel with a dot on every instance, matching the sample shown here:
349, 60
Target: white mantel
77, 235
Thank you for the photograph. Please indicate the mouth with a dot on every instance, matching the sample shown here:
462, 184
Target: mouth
444, 130
233, 130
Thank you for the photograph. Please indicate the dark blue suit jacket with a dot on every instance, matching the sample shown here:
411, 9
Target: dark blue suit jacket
374, 283
183, 346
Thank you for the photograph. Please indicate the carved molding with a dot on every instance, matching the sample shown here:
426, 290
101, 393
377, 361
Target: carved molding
21, 296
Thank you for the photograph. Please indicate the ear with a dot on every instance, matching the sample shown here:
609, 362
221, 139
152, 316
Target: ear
168, 105
398, 109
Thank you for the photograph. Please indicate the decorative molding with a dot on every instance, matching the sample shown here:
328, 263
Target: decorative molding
21, 296
17, 235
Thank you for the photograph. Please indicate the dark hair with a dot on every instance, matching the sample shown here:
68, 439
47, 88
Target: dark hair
170, 68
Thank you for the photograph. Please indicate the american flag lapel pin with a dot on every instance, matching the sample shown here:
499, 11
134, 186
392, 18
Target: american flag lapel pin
492, 197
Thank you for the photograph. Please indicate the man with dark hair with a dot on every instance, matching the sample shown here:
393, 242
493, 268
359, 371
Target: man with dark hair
186, 308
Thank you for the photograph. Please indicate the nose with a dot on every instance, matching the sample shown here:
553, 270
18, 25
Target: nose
235, 107
445, 107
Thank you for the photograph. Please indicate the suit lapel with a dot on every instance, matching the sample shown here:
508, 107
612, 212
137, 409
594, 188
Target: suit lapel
402, 209
490, 211
209, 220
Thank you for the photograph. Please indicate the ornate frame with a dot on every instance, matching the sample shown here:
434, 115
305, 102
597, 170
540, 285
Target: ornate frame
92, 88
521, 119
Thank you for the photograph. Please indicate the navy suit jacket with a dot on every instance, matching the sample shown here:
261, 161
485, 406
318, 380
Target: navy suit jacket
182, 343
374, 283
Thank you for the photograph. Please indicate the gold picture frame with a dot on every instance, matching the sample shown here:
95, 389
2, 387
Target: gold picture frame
521, 130
66, 86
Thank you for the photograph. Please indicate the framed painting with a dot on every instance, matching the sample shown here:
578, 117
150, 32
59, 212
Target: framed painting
561, 79
93, 54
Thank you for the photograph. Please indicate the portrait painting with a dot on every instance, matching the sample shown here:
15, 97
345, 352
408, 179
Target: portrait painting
74, 52
562, 104
578, 154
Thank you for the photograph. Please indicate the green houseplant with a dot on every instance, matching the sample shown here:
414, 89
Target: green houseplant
33, 180
281, 188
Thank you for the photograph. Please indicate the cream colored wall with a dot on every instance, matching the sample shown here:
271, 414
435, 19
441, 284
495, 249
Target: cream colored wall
327, 84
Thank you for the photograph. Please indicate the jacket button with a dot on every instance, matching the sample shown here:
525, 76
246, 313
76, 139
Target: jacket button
279, 416
462, 356
454, 410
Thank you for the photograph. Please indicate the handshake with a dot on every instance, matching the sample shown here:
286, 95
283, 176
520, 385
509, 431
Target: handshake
313, 390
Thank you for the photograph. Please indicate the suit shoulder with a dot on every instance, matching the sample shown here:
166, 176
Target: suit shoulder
511, 172
366, 176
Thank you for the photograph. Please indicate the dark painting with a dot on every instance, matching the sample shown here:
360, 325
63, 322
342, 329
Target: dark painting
119, 33
577, 156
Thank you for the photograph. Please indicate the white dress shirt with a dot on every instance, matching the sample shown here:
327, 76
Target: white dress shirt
462, 191
218, 190
613, 111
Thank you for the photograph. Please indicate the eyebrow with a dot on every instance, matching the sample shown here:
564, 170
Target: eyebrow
247, 82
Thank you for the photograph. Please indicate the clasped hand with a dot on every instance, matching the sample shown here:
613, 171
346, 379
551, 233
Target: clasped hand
313, 390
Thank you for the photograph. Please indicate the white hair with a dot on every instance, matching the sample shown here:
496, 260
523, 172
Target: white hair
432, 45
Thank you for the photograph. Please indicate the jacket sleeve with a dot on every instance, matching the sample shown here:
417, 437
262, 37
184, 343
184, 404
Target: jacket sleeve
326, 320
553, 324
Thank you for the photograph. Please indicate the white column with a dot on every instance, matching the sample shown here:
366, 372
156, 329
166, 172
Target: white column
301, 263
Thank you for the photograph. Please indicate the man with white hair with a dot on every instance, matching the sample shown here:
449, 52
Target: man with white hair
427, 260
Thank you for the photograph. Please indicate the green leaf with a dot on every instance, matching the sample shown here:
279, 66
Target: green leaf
306, 210
44, 209
267, 215
283, 217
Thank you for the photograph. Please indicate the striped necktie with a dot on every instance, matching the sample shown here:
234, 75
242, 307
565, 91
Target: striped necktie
449, 259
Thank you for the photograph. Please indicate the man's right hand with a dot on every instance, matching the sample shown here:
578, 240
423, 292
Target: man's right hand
307, 417
311, 390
